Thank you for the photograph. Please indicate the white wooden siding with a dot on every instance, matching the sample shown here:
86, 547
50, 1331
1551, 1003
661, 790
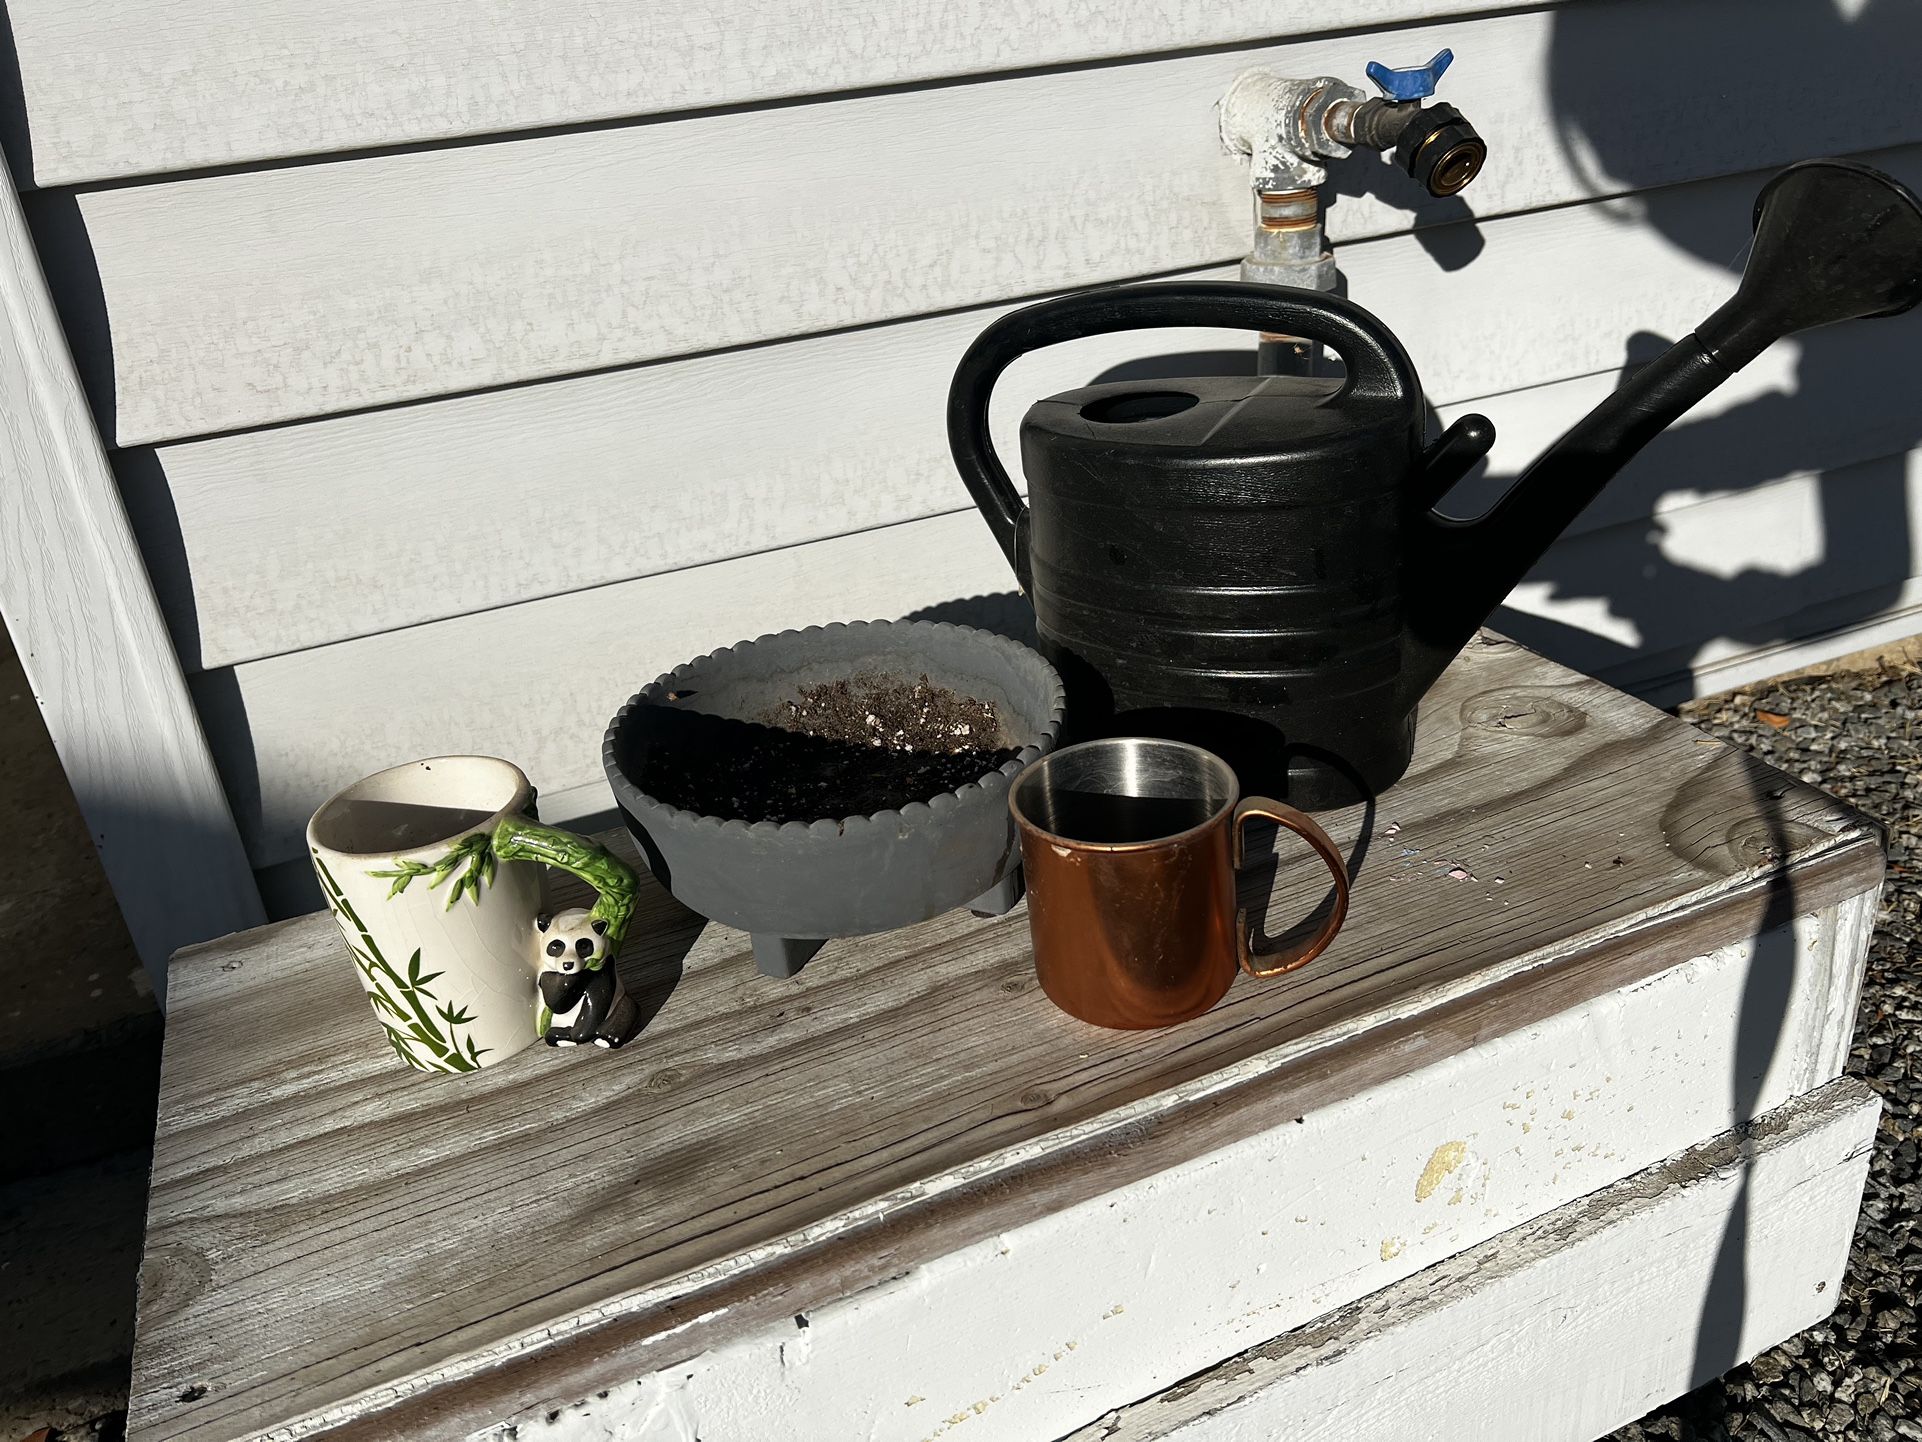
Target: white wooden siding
538, 681
131, 87
1821, 631
844, 432
239, 300
1736, 567
453, 447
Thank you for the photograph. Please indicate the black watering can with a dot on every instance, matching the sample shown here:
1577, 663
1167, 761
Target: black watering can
1254, 563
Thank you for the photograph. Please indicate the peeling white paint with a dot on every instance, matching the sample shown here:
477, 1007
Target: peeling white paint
1035, 1331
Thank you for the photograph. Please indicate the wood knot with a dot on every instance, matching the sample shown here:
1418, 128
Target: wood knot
171, 1276
1523, 712
1016, 984
1760, 842
1035, 1098
665, 1080
1761, 836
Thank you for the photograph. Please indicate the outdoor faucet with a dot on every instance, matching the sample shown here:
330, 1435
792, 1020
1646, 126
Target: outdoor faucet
1291, 128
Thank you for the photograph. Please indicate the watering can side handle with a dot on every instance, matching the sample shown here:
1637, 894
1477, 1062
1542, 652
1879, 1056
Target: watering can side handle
1377, 365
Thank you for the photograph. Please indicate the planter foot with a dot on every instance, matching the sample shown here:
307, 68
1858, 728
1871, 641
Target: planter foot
999, 899
782, 955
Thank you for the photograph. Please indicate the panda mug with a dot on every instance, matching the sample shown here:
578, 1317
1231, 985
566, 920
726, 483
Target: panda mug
432, 871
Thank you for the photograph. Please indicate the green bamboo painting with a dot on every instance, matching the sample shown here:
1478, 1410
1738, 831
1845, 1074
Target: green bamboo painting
423, 1031
470, 861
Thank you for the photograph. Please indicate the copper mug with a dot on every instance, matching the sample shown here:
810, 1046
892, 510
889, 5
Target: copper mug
1131, 847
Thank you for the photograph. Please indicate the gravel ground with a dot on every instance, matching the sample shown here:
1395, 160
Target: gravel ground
1859, 1374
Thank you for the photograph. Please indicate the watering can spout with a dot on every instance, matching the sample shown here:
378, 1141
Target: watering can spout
1833, 241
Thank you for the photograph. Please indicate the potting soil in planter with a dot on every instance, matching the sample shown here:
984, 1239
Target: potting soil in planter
837, 749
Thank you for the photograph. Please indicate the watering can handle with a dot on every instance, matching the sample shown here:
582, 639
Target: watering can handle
1377, 365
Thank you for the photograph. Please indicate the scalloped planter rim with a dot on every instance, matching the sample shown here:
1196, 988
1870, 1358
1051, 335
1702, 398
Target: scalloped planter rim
793, 885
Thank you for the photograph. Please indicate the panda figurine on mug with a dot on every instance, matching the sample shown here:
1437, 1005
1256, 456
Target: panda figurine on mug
581, 996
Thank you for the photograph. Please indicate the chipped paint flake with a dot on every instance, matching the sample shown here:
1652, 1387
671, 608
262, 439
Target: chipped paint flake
1441, 1162
1391, 1248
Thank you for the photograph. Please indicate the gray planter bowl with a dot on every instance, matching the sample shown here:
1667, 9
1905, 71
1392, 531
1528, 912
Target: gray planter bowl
793, 885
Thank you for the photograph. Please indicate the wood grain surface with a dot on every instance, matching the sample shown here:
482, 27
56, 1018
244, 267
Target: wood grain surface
335, 1243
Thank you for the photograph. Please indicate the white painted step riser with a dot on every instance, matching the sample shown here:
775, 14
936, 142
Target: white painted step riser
1566, 1328
1039, 1330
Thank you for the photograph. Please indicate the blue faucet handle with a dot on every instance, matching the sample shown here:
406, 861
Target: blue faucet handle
1416, 84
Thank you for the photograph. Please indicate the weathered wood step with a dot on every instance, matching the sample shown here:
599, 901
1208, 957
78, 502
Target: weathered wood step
1571, 893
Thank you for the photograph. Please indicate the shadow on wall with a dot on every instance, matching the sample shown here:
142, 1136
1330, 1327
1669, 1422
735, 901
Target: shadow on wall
1843, 427
1843, 424
1862, 510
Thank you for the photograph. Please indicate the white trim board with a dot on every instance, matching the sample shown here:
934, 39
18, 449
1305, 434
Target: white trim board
1821, 633
290, 730
134, 87
1609, 1288
264, 296
90, 638
1088, 1308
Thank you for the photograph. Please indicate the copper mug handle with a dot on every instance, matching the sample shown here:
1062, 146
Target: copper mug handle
1297, 954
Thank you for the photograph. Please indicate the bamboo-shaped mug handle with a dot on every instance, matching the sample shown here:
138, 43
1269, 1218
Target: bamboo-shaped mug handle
1300, 953
521, 838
